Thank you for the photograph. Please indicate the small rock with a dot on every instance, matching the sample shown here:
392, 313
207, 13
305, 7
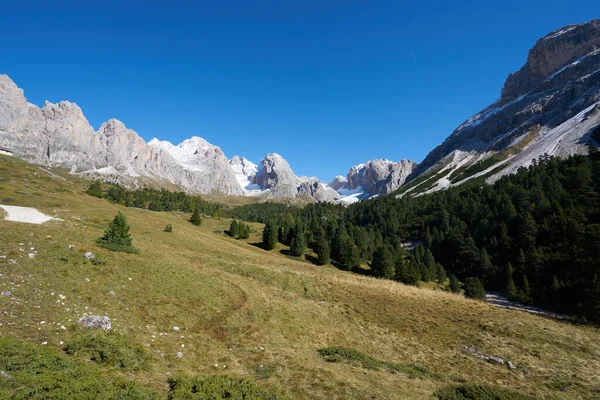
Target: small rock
112, 293
6, 293
5, 375
44, 343
96, 321
496, 360
176, 328
31, 255
511, 366
366, 372
179, 354
69, 247
62, 327
89, 255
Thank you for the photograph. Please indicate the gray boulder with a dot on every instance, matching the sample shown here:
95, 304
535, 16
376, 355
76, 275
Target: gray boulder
96, 322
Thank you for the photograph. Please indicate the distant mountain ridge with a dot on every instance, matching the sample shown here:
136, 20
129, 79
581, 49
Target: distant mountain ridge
60, 135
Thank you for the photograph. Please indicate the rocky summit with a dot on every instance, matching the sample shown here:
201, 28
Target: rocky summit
549, 106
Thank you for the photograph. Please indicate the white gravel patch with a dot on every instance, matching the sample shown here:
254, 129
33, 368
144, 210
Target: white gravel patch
25, 214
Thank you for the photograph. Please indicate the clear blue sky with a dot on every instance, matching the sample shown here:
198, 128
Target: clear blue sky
327, 84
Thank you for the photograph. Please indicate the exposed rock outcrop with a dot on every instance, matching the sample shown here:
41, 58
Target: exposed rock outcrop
559, 82
381, 176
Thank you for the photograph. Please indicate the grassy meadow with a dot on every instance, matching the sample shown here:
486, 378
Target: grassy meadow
243, 313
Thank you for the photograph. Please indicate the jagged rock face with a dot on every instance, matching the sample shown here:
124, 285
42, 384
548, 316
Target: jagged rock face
316, 190
381, 176
551, 53
275, 172
339, 182
560, 80
244, 171
198, 165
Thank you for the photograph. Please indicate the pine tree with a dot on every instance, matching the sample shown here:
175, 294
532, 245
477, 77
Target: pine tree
474, 288
196, 219
95, 189
511, 290
440, 273
298, 244
234, 229
117, 232
383, 264
270, 236
323, 251
244, 231
454, 284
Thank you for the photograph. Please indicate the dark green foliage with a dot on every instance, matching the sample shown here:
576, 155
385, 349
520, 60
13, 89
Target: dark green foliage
358, 359
511, 290
195, 219
298, 243
42, 372
270, 236
244, 231
116, 236
321, 247
455, 285
168, 228
474, 289
216, 387
478, 392
95, 189
110, 349
234, 229
383, 263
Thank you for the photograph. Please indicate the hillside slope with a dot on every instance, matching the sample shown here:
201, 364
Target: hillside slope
246, 312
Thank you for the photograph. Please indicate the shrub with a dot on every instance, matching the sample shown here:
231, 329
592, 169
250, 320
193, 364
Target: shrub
42, 372
218, 387
109, 348
168, 228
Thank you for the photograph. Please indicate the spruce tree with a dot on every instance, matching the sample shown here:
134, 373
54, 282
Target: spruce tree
196, 219
234, 229
298, 244
383, 263
117, 232
511, 290
323, 251
270, 236
454, 284
474, 288
95, 189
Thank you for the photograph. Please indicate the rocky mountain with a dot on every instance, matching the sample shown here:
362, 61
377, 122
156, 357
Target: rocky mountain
373, 178
550, 106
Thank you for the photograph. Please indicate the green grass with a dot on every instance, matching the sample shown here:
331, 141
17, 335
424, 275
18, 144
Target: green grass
110, 349
42, 372
243, 312
358, 359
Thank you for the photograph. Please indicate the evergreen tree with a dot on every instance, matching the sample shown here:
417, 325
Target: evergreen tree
474, 288
322, 247
525, 292
383, 263
117, 232
440, 273
270, 236
244, 231
234, 229
454, 284
298, 244
168, 228
511, 290
95, 189
196, 219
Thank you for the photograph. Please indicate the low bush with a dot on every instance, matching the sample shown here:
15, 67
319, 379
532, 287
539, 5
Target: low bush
110, 349
218, 387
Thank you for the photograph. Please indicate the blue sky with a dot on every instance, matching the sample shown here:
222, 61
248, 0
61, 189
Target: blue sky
327, 84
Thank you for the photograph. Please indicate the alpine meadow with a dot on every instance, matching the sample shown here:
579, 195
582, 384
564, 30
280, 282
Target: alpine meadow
134, 269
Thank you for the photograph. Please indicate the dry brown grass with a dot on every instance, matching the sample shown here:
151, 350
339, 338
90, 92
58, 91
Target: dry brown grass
260, 314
